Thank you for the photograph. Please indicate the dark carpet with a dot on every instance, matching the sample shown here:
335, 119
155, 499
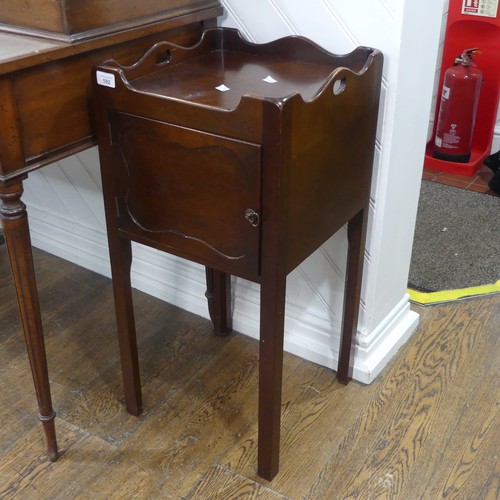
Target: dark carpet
457, 239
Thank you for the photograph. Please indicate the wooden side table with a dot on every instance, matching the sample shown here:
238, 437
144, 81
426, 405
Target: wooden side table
45, 115
244, 158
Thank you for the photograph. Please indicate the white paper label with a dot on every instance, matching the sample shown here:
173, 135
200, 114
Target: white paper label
484, 8
105, 79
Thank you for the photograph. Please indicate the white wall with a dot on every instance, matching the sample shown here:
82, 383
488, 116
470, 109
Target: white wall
65, 206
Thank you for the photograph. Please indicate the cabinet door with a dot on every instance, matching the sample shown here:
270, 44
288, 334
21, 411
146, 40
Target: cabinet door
187, 192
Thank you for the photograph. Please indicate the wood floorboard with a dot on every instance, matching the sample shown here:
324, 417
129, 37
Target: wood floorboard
427, 428
437, 359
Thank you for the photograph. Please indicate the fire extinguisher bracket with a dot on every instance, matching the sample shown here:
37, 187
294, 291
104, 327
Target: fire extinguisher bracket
461, 149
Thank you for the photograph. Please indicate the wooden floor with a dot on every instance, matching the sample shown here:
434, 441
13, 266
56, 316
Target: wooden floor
427, 428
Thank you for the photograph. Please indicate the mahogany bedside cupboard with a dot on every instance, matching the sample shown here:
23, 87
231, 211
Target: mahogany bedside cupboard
244, 158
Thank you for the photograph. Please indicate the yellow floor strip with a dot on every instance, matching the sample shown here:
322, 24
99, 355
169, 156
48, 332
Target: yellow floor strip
425, 298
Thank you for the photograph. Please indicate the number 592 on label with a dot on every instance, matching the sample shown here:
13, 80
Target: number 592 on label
105, 79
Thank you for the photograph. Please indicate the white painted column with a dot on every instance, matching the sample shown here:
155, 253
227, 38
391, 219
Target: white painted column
396, 28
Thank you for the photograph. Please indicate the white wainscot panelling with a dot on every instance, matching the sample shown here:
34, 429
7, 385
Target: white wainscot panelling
242, 14
334, 25
66, 211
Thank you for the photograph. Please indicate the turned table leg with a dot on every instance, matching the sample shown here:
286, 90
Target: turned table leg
16, 230
218, 295
356, 235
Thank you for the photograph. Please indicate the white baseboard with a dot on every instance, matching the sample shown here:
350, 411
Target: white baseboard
375, 349
182, 283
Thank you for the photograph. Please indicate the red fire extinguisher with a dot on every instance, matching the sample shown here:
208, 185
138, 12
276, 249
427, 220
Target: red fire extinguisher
457, 112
